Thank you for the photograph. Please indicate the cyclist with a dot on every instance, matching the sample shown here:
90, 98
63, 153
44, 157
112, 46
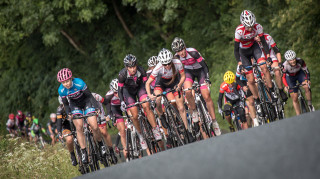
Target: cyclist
36, 128
20, 117
195, 67
131, 85
52, 127
276, 59
103, 127
27, 124
112, 103
81, 102
232, 98
246, 47
170, 75
295, 69
152, 62
242, 81
64, 128
11, 125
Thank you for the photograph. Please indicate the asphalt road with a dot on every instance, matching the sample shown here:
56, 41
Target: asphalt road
289, 148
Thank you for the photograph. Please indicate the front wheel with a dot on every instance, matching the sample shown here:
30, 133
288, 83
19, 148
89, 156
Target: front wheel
177, 127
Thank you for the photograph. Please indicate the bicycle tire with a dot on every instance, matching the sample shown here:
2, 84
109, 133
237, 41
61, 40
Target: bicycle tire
263, 102
178, 127
303, 107
147, 134
91, 161
78, 156
203, 119
129, 145
138, 147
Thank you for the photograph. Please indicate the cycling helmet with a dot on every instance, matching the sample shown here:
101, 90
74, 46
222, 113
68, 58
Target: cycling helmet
64, 74
229, 77
19, 113
60, 100
290, 55
130, 60
53, 115
165, 56
36, 121
153, 61
28, 114
11, 116
247, 18
178, 44
114, 85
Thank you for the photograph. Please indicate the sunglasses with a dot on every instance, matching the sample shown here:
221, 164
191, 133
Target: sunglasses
166, 64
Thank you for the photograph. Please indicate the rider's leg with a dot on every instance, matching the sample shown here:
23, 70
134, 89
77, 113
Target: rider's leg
295, 102
266, 73
121, 128
92, 121
252, 85
181, 108
78, 123
104, 131
243, 119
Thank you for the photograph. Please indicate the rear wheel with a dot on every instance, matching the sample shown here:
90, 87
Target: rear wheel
178, 125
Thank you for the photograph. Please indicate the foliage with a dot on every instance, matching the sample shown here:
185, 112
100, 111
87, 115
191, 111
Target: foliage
39, 37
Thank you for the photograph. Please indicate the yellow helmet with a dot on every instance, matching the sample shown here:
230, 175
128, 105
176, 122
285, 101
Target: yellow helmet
229, 77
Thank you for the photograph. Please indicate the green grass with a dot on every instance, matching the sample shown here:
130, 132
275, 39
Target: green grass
19, 159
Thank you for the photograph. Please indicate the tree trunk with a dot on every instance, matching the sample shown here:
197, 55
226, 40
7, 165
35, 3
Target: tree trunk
121, 20
73, 43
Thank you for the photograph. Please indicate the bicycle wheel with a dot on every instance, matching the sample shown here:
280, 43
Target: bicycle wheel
137, 147
91, 153
82, 168
203, 118
105, 160
147, 133
178, 127
263, 101
303, 106
129, 145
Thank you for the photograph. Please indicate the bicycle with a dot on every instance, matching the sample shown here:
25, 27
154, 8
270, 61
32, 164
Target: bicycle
176, 128
146, 129
279, 105
133, 146
265, 100
83, 169
302, 102
205, 118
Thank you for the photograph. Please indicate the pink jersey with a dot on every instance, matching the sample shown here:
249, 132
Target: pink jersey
271, 43
114, 99
246, 38
159, 70
192, 59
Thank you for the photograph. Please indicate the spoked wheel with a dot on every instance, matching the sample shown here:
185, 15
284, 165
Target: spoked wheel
130, 155
178, 129
147, 134
204, 119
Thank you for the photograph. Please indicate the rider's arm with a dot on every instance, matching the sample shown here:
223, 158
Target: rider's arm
50, 129
66, 105
121, 79
236, 50
265, 45
220, 100
143, 74
149, 81
107, 102
88, 94
284, 80
182, 77
305, 68
196, 55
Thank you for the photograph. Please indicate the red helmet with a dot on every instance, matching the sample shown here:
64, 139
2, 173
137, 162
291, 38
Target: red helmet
64, 75
11, 116
19, 113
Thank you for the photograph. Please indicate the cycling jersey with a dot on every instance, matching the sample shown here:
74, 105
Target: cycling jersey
272, 45
195, 66
245, 37
291, 74
112, 103
160, 70
62, 120
131, 86
36, 128
53, 126
10, 124
231, 93
79, 96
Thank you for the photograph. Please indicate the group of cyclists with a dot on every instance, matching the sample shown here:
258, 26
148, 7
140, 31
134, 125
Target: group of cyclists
174, 74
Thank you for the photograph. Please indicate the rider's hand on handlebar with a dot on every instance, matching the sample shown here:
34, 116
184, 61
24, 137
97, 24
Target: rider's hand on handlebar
152, 97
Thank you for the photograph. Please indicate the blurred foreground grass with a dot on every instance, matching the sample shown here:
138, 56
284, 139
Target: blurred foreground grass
20, 159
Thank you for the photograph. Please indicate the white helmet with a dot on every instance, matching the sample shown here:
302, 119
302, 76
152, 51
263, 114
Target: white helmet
60, 100
247, 18
290, 55
153, 61
165, 56
53, 115
114, 85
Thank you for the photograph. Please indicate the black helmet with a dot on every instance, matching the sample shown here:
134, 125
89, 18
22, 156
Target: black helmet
178, 44
130, 60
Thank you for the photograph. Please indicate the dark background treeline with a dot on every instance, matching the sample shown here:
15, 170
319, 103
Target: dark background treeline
91, 37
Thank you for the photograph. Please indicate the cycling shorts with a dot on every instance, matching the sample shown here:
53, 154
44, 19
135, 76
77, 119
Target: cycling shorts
116, 111
161, 84
227, 109
87, 108
246, 54
196, 73
292, 80
130, 94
